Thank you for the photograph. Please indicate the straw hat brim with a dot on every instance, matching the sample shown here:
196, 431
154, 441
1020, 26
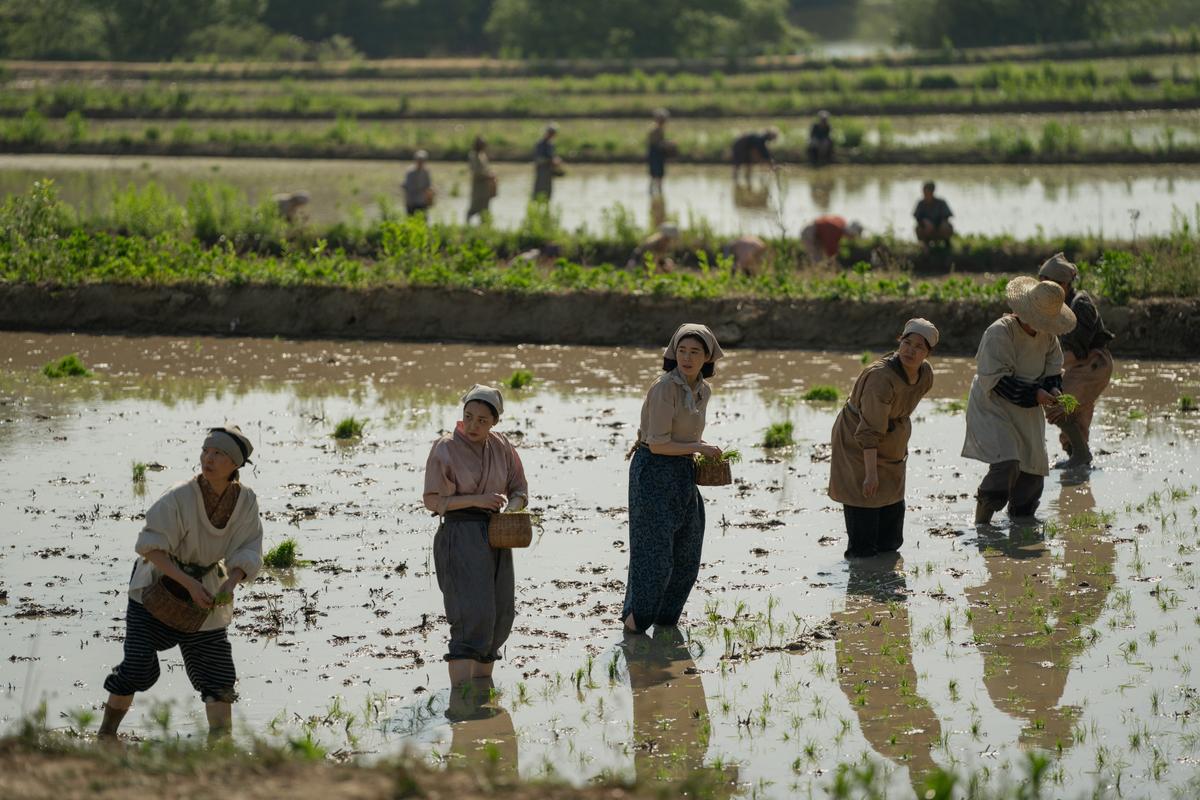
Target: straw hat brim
1020, 300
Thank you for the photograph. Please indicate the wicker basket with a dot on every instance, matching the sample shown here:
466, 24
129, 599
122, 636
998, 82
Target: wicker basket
169, 603
713, 473
510, 530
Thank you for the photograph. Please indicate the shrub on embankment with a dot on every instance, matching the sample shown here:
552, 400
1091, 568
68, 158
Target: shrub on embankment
218, 237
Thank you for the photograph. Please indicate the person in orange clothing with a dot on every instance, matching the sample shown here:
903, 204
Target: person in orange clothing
823, 235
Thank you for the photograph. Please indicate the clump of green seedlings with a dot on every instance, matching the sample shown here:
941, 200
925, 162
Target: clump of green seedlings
953, 406
727, 457
1068, 402
70, 366
349, 428
519, 379
282, 555
822, 394
1187, 404
224, 598
139, 472
779, 435
866, 358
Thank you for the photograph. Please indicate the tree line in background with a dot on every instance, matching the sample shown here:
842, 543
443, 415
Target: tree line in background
279, 30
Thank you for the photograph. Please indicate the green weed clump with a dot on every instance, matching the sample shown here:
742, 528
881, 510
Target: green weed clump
1069, 403
66, 367
519, 379
822, 394
1187, 404
282, 555
779, 435
349, 428
139, 472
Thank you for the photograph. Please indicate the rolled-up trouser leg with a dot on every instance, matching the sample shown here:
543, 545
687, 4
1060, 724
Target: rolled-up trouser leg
994, 489
208, 661
466, 573
506, 598
686, 552
660, 489
144, 638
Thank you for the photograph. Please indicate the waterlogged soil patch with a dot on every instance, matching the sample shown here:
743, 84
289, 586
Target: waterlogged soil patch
1069, 638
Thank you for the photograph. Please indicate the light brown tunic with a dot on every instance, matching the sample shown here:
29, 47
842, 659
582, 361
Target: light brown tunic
673, 411
998, 430
457, 467
876, 417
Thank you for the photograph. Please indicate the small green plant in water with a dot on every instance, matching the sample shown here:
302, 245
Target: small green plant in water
779, 435
223, 598
139, 472
282, 555
1069, 403
66, 367
727, 457
349, 428
867, 357
822, 394
1187, 404
519, 379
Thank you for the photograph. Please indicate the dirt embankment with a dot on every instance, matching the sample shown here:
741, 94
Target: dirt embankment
1166, 328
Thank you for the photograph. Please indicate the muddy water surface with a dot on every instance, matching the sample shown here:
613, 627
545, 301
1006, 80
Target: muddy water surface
1076, 636
1117, 201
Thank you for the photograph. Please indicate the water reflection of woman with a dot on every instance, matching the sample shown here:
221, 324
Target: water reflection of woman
875, 669
1029, 616
870, 442
203, 537
483, 735
470, 474
666, 512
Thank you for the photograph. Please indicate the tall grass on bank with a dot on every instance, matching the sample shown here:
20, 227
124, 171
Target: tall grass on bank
220, 237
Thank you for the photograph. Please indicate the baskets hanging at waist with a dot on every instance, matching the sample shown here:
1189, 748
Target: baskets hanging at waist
713, 473
171, 604
510, 530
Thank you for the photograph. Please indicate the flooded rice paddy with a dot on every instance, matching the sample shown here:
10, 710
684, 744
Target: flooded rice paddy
1076, 637
1023, 201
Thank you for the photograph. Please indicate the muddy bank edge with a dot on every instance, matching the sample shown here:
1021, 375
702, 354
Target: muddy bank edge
1160, 328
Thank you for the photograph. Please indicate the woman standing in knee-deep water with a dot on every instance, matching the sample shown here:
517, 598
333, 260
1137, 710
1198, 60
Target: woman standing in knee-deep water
470, 474
666, 512
203, 537
870, 442
1018, 368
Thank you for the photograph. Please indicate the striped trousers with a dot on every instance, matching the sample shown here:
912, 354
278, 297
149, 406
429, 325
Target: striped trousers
207, 657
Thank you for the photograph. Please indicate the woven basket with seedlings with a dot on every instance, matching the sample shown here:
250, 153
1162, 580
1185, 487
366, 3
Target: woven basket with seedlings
510, 529
716, 471
171, 604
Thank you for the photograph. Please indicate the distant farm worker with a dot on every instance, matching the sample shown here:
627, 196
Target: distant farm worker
933, 217
870, 442
290, 204
418, 185
658, 150
1087, 364
823, 236
659, 246
483, 180
470, 474
750, 254
666, 511
1018, 368
750, 149
200, 541
820, 140
546, 163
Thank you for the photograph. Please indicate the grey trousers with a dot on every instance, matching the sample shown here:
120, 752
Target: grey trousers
1005, 484
478, 589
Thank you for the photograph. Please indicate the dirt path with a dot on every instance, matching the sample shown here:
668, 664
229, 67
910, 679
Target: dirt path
1156, 328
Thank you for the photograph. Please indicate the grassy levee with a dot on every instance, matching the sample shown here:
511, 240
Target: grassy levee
1177, 43
218, 236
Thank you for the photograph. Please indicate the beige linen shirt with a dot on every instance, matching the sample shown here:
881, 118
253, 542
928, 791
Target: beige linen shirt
456, 467
673, 411
877, 416
998, 430
178, 524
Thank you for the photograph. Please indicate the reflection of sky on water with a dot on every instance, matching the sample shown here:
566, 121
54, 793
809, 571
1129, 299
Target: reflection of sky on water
1017, 200
566, 682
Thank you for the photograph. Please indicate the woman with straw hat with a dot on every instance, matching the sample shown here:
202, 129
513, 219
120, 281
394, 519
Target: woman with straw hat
200, 540
1018, 370
470, 474
666, 511
870, 442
